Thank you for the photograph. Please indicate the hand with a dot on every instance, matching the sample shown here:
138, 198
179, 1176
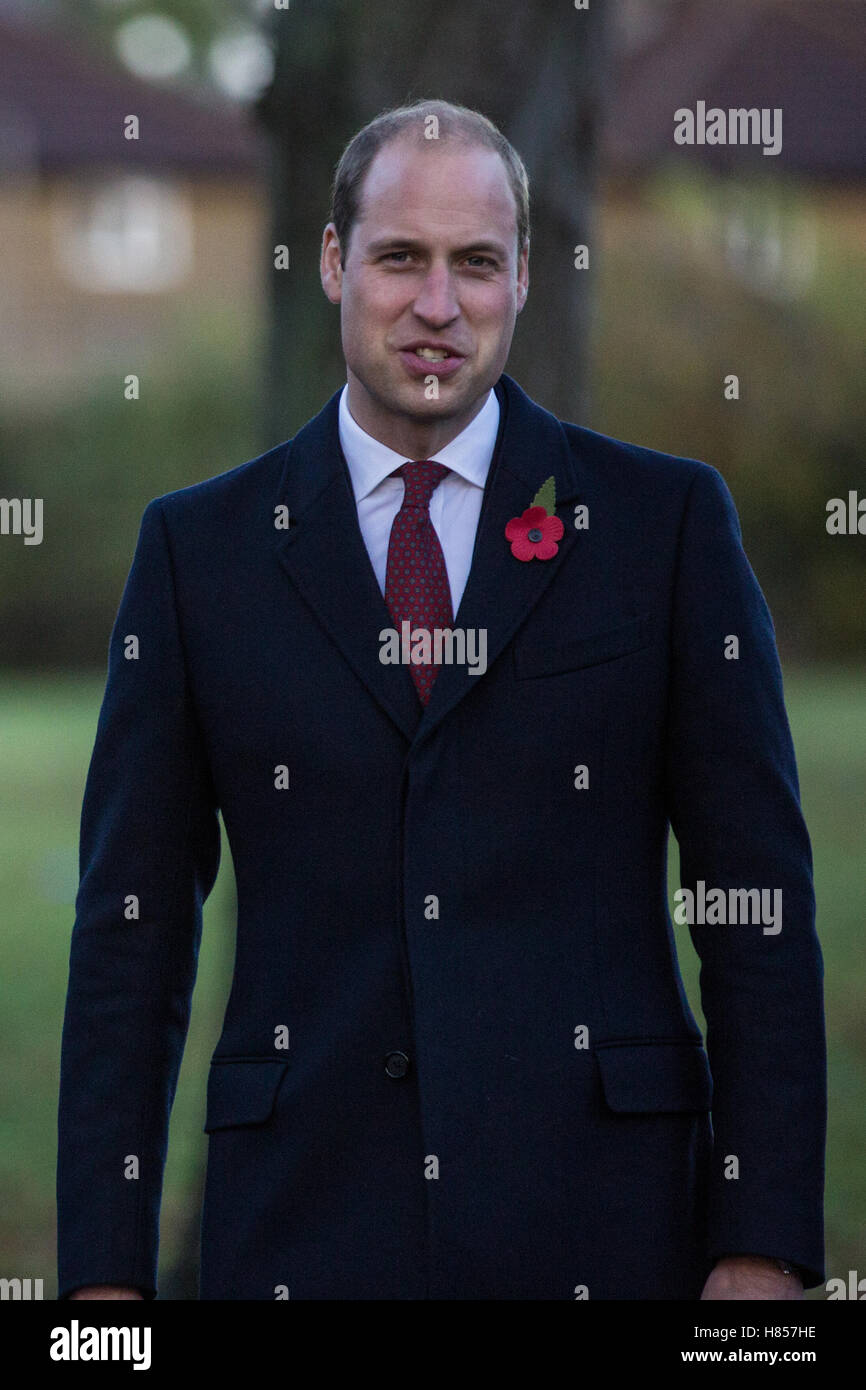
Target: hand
750, 1277
106, 1291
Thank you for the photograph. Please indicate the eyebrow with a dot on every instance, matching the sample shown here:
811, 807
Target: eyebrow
474, 248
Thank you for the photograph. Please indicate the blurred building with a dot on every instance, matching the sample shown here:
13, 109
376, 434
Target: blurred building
763, 218
108, 241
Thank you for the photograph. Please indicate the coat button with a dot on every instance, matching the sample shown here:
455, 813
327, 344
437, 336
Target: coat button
396, 1064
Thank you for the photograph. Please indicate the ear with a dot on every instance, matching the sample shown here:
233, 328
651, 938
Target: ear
330, 268
522, 277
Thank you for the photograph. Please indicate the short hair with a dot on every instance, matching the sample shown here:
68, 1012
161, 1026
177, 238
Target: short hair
454, 122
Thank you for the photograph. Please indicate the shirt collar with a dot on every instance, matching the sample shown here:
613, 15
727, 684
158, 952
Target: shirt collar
369, 461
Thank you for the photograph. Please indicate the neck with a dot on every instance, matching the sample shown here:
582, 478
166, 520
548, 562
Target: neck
413, 438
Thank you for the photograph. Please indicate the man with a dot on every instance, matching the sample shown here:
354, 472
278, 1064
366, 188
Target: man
457, 1060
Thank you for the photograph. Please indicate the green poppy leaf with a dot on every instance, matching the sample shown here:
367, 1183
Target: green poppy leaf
546, 496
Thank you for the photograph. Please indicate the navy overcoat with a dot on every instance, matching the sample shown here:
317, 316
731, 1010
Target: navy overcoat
457, 1060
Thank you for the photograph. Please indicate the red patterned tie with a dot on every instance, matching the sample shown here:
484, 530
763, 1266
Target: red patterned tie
416, 581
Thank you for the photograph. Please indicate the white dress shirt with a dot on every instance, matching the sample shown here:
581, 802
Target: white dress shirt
454, 506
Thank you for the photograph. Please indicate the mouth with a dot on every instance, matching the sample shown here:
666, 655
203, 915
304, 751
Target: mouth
425, 359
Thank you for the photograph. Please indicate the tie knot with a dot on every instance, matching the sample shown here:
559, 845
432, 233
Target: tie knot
420, 480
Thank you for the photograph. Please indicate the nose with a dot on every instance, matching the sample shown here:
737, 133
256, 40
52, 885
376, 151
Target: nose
436, 301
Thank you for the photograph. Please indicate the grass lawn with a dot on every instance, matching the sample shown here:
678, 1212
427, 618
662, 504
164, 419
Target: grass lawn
46, 733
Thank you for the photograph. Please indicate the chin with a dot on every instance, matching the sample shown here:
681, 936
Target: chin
409, 399
452, 397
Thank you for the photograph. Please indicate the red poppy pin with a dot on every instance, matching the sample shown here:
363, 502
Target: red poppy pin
534, 535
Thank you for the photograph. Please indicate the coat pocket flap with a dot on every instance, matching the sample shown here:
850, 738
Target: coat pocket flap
242, 1092
657, 1076
573, 653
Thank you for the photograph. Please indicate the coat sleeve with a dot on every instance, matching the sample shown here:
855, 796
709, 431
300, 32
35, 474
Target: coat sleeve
149, 854
733, 803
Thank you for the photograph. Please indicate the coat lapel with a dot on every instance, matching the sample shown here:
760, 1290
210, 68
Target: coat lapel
325, 556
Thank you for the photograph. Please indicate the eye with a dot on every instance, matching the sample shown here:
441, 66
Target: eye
480, 261
396, 256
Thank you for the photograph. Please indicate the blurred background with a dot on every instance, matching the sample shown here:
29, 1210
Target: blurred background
158, 258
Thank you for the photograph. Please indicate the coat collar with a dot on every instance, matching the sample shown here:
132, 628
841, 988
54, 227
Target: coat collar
324, 554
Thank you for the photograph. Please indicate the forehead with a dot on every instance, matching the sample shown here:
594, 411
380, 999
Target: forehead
437, 186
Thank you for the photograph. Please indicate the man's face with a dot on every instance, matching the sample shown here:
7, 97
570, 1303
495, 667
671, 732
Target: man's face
431, 286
